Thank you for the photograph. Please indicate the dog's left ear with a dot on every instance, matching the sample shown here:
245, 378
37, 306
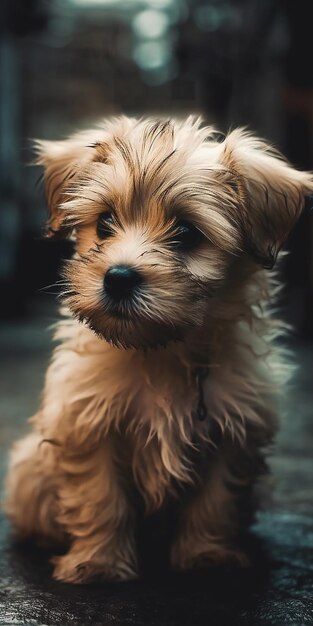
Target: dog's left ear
64, 163
271, 194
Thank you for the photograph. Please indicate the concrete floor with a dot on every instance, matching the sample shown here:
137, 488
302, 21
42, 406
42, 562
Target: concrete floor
275, 590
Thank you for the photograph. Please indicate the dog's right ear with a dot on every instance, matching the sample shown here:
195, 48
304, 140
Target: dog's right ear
64, 163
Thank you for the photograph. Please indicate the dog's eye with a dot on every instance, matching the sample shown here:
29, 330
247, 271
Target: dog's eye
187, 236
104, 225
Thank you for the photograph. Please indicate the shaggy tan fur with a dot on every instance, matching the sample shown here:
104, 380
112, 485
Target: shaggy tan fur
119, 408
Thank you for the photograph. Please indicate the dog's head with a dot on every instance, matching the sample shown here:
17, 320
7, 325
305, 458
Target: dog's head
160, 211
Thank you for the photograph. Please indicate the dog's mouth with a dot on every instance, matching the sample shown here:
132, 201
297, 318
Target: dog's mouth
137, 309
123, 327
127, 309
130, 337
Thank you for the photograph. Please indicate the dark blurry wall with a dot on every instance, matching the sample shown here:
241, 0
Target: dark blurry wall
65, 63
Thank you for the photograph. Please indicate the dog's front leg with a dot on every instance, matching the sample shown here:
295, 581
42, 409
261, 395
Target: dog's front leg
95, 513
208, 524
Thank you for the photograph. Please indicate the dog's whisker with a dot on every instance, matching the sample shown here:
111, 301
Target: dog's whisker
47, 287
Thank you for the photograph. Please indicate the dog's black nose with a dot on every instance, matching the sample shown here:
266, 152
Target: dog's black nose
121, 280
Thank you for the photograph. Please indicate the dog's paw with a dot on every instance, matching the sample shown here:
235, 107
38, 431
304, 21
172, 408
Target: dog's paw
210, 556
70, 570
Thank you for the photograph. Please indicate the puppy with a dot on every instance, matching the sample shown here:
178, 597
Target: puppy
164, 384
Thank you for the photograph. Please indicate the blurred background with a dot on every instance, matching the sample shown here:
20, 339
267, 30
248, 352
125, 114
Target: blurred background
65, 63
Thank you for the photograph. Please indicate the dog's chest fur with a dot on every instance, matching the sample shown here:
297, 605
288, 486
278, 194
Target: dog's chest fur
149, 399
162, 427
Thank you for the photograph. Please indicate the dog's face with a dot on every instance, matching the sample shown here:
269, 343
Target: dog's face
160, 211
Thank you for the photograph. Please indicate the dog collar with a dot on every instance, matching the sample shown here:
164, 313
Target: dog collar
201, 374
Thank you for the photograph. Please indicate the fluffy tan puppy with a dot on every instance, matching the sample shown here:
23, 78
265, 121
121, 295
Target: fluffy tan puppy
164, 382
